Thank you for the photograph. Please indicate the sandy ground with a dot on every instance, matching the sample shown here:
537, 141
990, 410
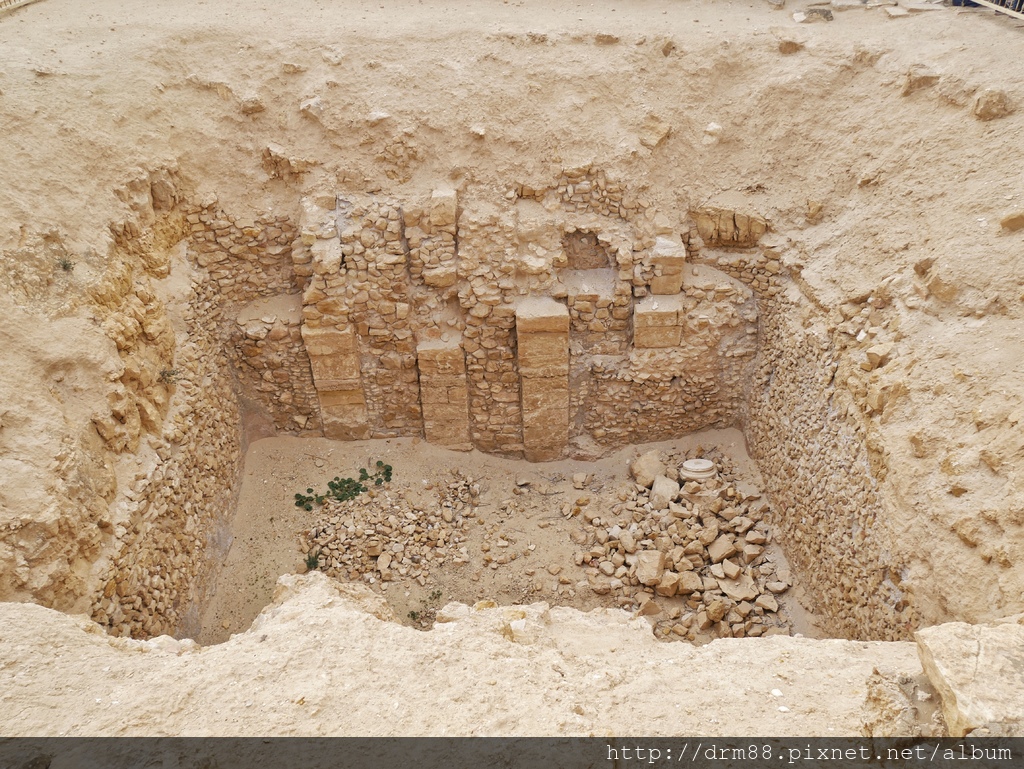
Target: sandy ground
268, 529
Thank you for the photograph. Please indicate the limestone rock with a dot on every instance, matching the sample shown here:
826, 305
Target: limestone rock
649, 567
919, 76
689, 582
663, 491
721, 548
647, 467
742, 589
767, 603
1013, 222
992, 103
978, 671
668, 585
653, 131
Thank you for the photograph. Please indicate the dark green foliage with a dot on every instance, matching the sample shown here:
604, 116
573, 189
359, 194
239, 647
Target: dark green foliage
313, 560
343, 489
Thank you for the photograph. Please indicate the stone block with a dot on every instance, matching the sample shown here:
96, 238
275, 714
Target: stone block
668, 584
443, 208
333, 398
650, 565
658, 312
689, 582
545, 393
740, 589
441, 277
539, 314
441, 353
721, 548
668, 283
656, 338
669, 252
663, 491
345, 422
341, 366
326, 256
543, 350
647, 467
328, 341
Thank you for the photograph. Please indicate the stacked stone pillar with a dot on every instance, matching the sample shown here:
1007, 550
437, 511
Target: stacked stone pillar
334, 358
444, 394
542, 331
657, 322
669, 259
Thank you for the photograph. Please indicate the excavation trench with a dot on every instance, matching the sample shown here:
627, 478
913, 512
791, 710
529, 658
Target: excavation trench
510, 369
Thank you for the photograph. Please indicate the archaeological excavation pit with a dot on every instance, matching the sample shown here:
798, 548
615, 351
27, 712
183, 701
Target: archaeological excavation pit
434, 336
695, 313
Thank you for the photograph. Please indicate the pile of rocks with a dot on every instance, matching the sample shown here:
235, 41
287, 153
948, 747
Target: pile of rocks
383, 536
691, 557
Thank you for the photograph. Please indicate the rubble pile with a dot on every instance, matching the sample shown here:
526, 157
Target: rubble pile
689, 556
384, 536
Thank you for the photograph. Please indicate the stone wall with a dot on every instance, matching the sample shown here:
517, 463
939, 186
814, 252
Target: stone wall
175, 508
808, 439
389, 280
246, 261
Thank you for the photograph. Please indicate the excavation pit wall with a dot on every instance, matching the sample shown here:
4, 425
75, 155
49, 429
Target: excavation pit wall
570, 320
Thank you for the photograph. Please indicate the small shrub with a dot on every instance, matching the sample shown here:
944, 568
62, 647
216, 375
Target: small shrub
169, 376
312, 560
343, 489
65, 263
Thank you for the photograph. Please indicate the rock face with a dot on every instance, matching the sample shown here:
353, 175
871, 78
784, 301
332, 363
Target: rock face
979, 673
524, 670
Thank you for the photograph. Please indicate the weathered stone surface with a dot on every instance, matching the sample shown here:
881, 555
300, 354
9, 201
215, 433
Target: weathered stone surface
647, 467
978, 671
663, 491
656, 338
689, 582
742, 589
541, 313
443, 208
649, 567
992, 103
721, 548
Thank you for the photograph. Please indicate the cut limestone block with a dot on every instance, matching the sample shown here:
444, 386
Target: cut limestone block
444, 393
334, 361
542, 332
656, 322
670, 256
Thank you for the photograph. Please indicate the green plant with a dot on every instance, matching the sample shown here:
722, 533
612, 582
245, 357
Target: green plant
414, 616
343, 489
312, 560
169, 376
65, 263
435, 595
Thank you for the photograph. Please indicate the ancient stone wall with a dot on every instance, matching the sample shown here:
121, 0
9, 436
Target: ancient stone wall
808, 440
174, 508
651, 348
248, 261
